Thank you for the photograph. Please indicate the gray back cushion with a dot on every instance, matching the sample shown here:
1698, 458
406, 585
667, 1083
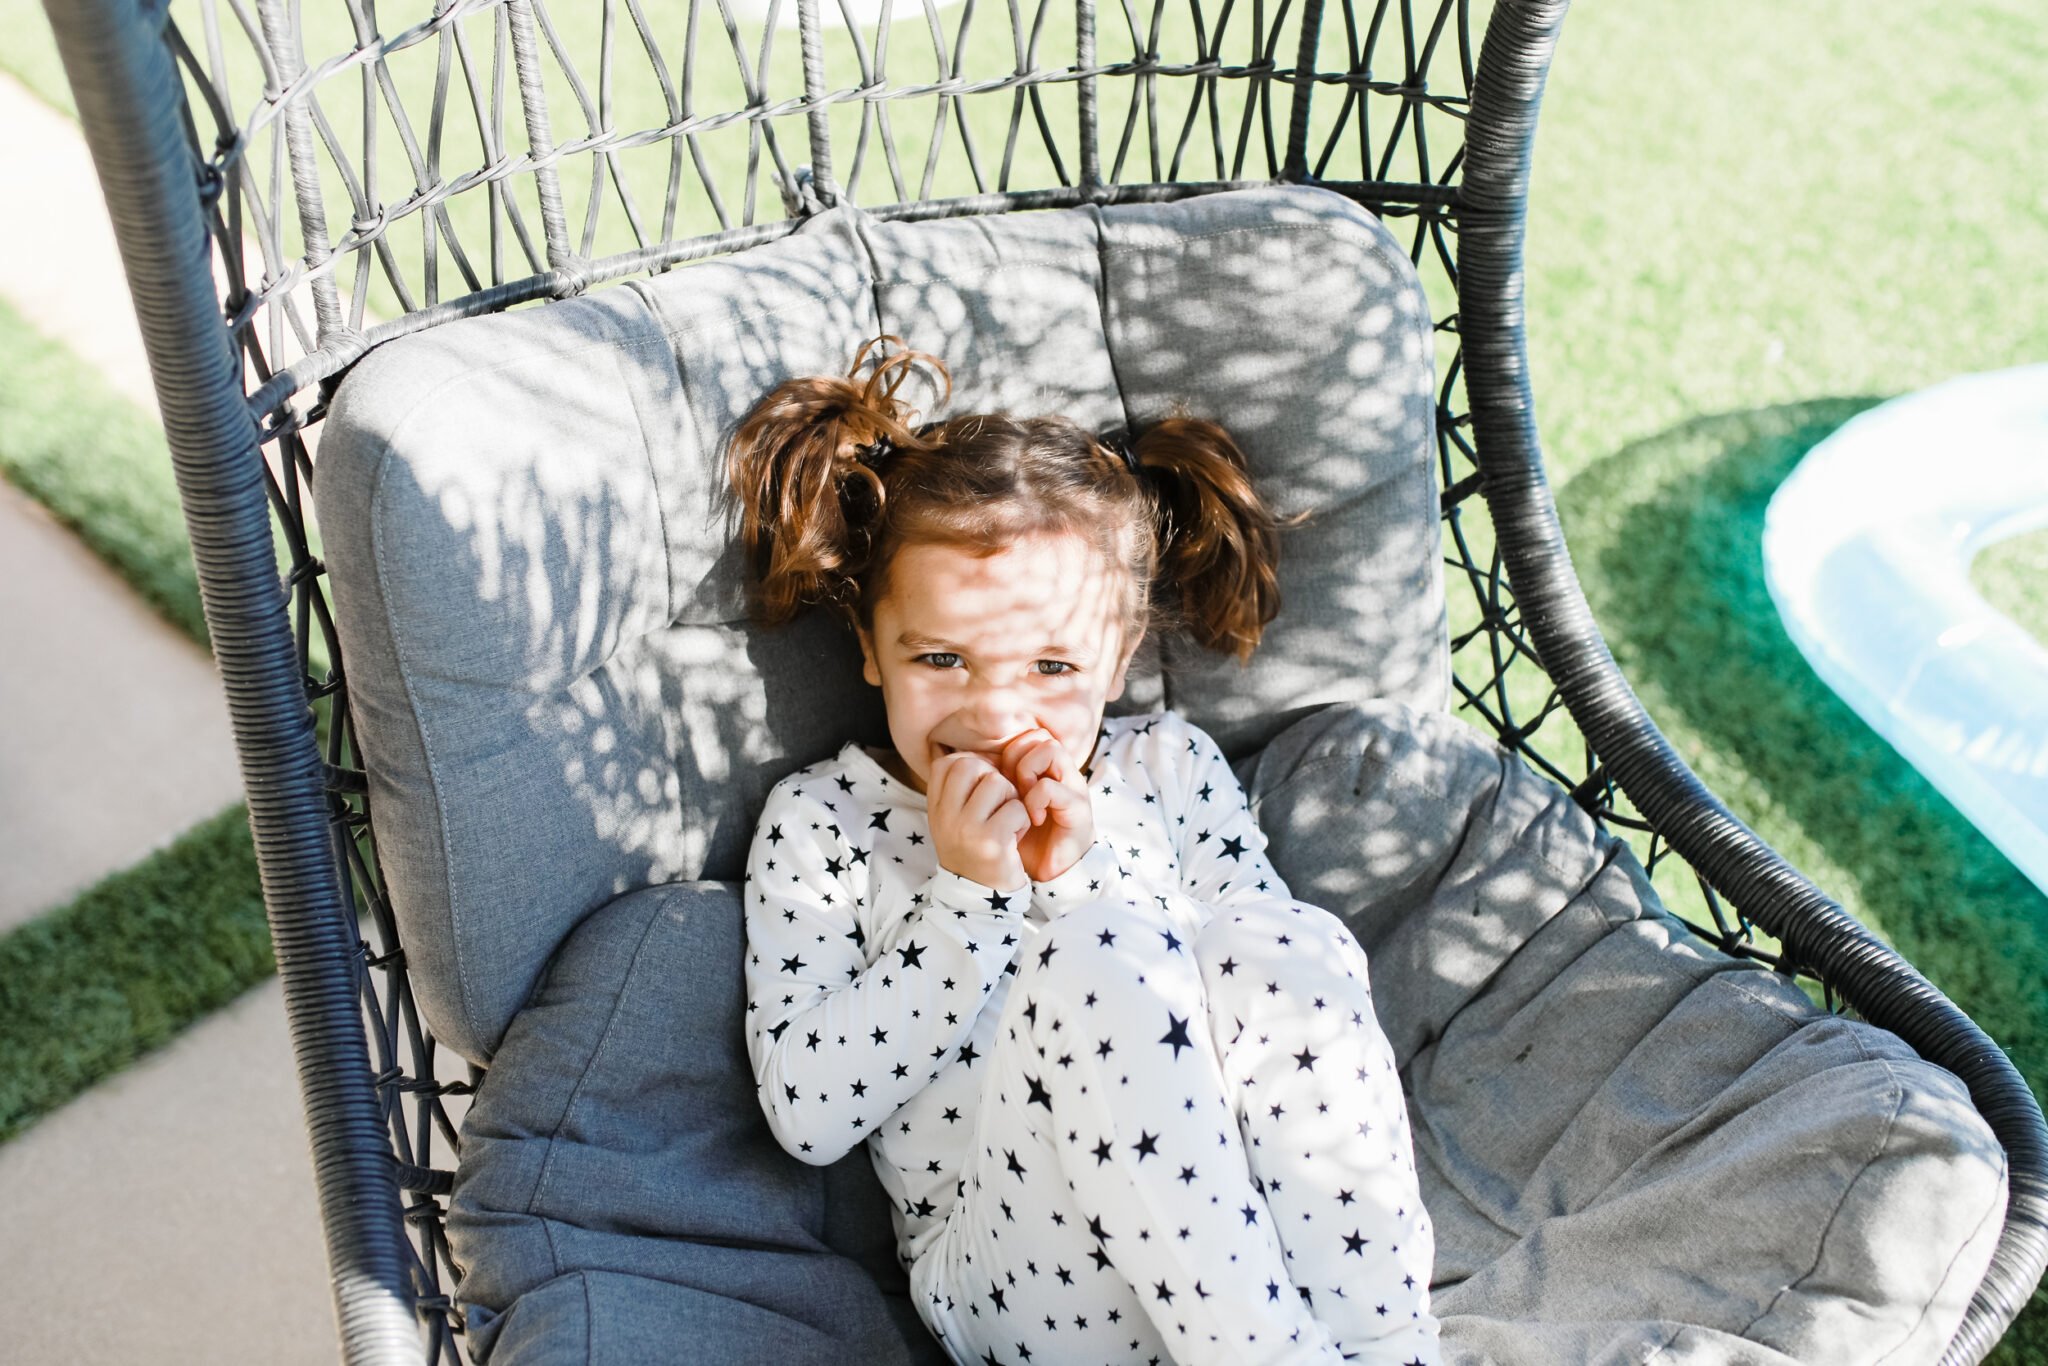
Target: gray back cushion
541, 605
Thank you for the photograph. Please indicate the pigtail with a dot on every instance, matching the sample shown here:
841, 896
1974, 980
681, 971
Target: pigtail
802, 469
1219, 544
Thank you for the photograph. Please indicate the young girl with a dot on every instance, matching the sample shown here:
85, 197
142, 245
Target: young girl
1129, 1100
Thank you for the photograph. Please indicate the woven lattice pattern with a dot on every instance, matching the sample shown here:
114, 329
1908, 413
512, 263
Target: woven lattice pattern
372, 170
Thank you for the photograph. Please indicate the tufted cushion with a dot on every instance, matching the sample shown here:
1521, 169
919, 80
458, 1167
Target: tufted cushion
541, 607
619, 1194
1630, 1144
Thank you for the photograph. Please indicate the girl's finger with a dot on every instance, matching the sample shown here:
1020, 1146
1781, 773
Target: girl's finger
1010, 819
1030, 756
1035, 801
990, 790
1055, 800
936, 790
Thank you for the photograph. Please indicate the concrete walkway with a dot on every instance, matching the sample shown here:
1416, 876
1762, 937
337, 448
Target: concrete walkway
169, 1214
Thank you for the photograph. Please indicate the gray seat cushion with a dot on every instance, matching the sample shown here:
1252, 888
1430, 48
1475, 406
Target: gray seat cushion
1632, 1145
550, 671
620, 1198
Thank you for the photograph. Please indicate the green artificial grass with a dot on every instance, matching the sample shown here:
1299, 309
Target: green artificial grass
2013, 577
1667, 534
99, 464
88, 988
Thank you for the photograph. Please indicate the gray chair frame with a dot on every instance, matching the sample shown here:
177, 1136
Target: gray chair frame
238, 421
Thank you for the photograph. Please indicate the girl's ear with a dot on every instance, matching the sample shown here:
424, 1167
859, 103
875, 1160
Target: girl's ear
1116, 685
869, 670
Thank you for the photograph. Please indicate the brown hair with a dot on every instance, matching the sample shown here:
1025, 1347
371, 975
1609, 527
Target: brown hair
831, 480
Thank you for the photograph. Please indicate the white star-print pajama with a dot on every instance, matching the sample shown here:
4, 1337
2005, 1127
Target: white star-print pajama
1141, 1112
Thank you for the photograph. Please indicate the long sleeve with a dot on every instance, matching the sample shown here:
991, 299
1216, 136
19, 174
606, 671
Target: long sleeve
1098, 872
1222, 850
842, 1032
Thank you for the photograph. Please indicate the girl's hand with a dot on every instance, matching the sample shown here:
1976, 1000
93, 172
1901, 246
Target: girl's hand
1055, 800
976, 820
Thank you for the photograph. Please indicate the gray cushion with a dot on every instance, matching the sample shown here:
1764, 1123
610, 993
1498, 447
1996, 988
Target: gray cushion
1632, 1145
541, 612
619, 1195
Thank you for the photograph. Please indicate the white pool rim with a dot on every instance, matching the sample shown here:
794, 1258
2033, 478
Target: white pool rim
1867, 550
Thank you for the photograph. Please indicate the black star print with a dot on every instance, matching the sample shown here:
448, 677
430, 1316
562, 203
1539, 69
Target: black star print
1101, 1151
1306, 1061
998, 902
1177, 1034
775, 835
1163, 1292
1039, 1095
792, 966
1227, 967
1146, 1146
1234, 847
1172, 944
967, 1053
880, 1035
1106, 938
910, 954
1045, 954
880, 820
1015, 1165
1354, 1243
845, 783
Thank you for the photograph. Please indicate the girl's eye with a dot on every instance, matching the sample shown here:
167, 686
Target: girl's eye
1059, 666
939, 659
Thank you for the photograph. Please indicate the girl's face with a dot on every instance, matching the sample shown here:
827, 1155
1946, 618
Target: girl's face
971, 650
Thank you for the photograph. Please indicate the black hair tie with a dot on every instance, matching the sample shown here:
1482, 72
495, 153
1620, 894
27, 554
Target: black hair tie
1120, 444
873, 453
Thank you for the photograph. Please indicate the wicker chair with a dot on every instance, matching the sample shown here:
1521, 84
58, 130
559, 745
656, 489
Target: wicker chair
457, 186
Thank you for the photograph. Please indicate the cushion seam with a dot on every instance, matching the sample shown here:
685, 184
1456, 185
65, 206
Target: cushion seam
465, 1006
1357, 228
1714, 976
540, 1184
1994, 1211
654, 476
1834, 1215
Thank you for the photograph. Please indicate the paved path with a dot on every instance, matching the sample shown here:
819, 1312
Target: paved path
168, 1215
113, 731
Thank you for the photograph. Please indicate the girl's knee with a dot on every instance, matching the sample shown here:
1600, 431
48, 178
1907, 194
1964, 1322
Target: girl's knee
1272, 930
1103, 946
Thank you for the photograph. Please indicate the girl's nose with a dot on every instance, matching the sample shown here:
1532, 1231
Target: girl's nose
992, 719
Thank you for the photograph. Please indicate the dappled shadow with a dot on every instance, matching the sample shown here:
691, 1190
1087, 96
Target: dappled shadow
556, 688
